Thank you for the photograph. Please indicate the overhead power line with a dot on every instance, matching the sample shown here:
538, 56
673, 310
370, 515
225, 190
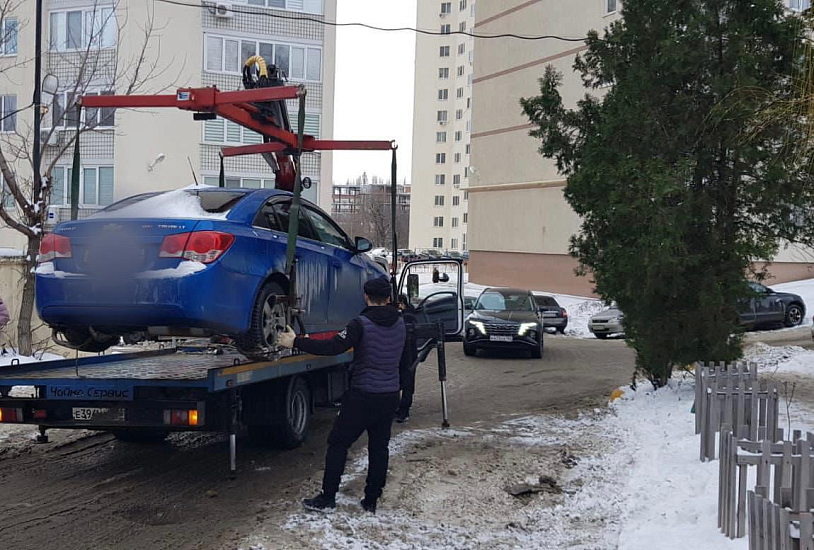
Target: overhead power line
265, 13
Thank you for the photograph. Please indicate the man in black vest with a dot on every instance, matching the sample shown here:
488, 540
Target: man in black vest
377, 337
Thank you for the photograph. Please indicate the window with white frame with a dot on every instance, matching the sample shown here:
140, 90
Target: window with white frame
438, 242
459, 93
7, 199
443, 94
240, 181
440, 179
799, 5
8, 113
95, 185
440, 137
468, 148
446, 7
438, 221
8, 36
466, 195
443, 73
461, 49
77, 29
457, 158
441, 116
462, 5
466, 217
223, 131
458, 135
468, 102
462, 26
64, 113
446, 29
224, 54
454, 224
466, 171
456, 200
459, 114
307, 6
443, 51
468, 125
456, 179
460, 70
439, 200
453, 242
610, 6
440, 158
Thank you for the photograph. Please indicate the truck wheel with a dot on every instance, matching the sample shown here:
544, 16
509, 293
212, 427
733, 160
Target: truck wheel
268, 316
794, 316
291, 413
81, 339
141, 436
470, 350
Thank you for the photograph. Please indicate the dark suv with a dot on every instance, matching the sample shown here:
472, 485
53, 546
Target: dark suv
769, 307
554, 316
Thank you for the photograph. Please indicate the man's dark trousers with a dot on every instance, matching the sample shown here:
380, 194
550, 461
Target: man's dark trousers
361, 411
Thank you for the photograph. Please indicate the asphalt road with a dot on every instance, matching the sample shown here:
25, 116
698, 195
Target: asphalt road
96, 492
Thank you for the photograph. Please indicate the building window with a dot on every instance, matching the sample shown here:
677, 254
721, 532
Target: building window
456, 179
461, 49
227, 55
307, 6
64, 114
443, 73
466, 171
468, 102
6, 198
454, 243
610, 6
446, 7
454, 224
458, 135
8, 113
443, 94
440, 179
468, 125
95, 185
799, 5
440, 158
444, 51
466, 195
459, 114
446, 29
438, 221
460, 70
438, 242
78, 29
440, 137
439, 200
464, 235
247, 182
466, 217
223, 131
8, 37
442, 117
459, 93
462, 26
462, 5
468, 148
456, 200
457, 158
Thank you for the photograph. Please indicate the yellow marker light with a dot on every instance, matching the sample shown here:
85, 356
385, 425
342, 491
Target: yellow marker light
193, 417
1, 415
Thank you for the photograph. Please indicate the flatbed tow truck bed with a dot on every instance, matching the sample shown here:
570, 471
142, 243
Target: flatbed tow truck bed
148, 394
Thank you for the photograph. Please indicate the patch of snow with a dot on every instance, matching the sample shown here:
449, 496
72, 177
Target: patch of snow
47, 268
12, 355
184, 269
178, 204
11, 253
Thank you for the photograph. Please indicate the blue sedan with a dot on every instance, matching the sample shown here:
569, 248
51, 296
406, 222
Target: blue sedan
199, 261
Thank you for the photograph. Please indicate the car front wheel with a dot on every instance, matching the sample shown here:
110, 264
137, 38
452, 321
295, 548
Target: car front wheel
470, 350
794, 315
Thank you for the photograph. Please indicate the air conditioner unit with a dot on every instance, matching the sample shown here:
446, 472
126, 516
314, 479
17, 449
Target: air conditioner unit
223, 10
442, 122
47, 137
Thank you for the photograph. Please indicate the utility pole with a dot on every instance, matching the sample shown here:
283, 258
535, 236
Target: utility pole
37, 188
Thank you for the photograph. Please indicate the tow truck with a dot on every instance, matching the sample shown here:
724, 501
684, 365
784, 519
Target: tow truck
146, 395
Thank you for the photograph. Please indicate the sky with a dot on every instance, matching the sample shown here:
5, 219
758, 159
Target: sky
374, 86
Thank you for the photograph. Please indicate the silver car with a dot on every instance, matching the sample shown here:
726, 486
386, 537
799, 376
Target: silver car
607, 322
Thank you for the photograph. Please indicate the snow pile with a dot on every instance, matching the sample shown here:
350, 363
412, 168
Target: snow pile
183, 269
804, 288
178, 204
47, 268
11, 253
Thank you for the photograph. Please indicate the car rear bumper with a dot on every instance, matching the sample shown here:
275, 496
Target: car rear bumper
605, 328
555, 322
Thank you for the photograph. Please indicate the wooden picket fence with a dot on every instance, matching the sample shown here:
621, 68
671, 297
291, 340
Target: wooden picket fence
773, 527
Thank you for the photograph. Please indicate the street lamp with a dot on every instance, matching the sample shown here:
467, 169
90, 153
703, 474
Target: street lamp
158, 159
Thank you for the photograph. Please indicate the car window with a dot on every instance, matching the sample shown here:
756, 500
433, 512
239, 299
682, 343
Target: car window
213, 202
325, 229
545, 301
281, 211
497, 301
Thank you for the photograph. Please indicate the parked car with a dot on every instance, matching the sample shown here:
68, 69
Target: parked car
607, 322
504, 318
455, 255
197, 262
769, 307
554, 316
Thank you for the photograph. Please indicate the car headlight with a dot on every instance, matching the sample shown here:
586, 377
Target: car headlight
615, 320
479, 325
525, 327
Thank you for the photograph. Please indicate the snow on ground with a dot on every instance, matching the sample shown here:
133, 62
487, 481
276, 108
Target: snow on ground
11, 253
11, 355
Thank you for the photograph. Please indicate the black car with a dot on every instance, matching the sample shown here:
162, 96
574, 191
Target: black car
504, 318
768, 307
554, 316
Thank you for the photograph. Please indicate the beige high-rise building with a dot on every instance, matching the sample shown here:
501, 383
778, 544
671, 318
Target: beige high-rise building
442, 126
519, 222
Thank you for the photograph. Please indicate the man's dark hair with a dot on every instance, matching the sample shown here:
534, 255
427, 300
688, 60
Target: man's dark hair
378, 290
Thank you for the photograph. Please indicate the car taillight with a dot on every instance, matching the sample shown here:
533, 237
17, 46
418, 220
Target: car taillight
564, 313
54, 246
198, 246
8, 414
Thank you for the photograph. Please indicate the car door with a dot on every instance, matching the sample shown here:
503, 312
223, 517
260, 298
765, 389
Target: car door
313, 268
768, 308
349, 269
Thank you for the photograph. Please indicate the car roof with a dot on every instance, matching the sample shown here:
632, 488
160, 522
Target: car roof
507, 290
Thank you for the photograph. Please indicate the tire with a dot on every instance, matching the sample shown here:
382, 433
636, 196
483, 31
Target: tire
470, 350
290, 417
561, 330
81, 339
267, 313
537, 352
794, 315
601, 336
141, 436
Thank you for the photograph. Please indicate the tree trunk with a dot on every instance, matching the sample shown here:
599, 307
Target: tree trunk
24, 336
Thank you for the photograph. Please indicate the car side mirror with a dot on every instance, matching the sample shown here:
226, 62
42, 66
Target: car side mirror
363, 245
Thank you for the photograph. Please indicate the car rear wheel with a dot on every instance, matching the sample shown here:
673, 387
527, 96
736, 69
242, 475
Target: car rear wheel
600, 336
82, 339
794, 315
268, 319
470, 350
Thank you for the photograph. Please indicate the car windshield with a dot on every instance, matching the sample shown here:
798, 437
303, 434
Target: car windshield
496, 300
213, 202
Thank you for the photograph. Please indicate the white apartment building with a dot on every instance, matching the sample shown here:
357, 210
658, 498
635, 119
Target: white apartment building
100, 42
442, 125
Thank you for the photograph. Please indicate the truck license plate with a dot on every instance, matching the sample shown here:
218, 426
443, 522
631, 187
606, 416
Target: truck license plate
96, 413
501, 338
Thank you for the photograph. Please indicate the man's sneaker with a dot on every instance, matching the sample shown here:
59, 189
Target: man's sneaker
368, 505
402, 417
320, 503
